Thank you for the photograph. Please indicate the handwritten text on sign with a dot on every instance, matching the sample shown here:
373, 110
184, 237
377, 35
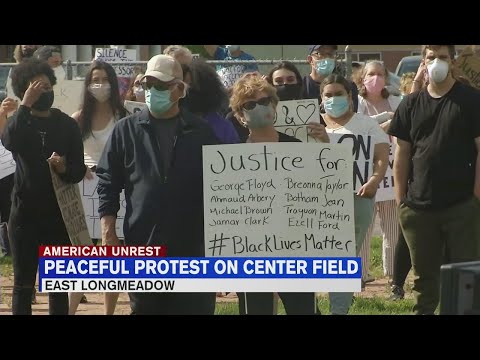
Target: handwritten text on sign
88, 191
362, 148
7, 164
386, 189
283, 199
468, 65
293, 116
68, 96
70, 203
118, 55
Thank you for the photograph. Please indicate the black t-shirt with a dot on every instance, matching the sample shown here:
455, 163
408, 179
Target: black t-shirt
286, 138
441, 132
166, 131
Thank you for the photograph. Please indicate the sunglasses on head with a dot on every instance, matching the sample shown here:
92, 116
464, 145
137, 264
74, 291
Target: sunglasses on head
250, 105
160, 86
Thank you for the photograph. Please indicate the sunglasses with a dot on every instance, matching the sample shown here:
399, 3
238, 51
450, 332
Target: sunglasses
250, 105
160, 86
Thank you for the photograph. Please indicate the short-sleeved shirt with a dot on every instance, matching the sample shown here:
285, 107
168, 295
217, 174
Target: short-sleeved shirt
231, 73
441, 132
363, 133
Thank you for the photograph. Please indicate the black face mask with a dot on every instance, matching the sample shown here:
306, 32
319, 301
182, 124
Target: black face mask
289, 92
44, 102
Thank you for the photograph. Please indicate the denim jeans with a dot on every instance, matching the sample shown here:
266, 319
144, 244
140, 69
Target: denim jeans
363, 212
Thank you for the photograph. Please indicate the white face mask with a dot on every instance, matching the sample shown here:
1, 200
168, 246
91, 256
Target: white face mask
101, 92
139, 91
438, 70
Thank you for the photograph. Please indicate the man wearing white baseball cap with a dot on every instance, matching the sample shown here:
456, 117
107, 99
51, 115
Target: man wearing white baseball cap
156, 156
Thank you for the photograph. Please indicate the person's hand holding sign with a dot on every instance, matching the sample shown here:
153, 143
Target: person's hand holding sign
57, 162
318, 132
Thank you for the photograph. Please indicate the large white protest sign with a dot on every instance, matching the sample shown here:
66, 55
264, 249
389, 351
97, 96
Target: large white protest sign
293, 116
134, 106
278, 199
88, 192
70, 203
386, 190
7, 164
68, 96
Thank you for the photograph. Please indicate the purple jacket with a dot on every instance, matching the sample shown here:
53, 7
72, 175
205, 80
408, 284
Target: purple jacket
223, 129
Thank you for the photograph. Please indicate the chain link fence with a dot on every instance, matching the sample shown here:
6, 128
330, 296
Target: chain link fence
76, 70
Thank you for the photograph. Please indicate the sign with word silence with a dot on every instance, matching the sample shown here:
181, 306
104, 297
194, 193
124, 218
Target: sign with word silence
280, 199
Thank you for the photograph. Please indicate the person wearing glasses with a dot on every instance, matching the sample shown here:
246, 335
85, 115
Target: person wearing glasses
135, 91
156, 156
253, 102
38, 136
102, 107
322, 61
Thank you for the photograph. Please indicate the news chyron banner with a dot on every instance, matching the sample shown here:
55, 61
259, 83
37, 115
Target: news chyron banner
278, 218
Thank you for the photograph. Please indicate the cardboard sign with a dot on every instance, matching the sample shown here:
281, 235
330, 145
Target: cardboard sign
70, 203
468, 65
278, 199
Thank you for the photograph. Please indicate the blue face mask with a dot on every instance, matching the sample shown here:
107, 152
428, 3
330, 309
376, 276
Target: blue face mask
158, 102
336, 106
325, 67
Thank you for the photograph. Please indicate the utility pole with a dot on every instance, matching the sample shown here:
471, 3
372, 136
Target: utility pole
348, 61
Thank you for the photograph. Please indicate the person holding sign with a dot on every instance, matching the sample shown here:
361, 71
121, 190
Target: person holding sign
230, 73
102, 108
375, 101
370, 150
254, 101
39, 137
437, 174
156, 156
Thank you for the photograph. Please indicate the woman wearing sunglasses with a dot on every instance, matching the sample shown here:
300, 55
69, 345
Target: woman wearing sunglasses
253, 102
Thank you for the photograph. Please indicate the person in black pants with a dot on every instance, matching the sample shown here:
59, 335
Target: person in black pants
254, 101
39, 137
401, 267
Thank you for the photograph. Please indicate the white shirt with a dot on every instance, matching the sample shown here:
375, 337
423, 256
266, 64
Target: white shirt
93, 146
362, 133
